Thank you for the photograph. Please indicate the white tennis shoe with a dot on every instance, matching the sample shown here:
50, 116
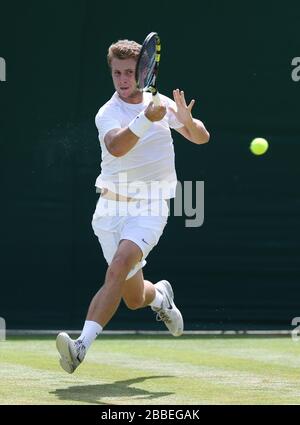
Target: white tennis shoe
168, 312
71, 352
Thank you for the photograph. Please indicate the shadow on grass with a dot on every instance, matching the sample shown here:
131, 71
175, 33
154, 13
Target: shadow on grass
94, 393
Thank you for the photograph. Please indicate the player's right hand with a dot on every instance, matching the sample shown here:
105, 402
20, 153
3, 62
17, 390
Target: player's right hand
155, 113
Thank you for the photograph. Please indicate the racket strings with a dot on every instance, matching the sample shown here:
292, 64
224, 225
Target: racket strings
147, 65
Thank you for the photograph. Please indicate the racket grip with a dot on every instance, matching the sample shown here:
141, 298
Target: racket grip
156, 99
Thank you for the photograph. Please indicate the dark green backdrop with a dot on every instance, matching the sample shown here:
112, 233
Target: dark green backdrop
241, 268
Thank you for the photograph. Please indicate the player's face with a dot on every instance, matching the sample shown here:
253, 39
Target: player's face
123, 75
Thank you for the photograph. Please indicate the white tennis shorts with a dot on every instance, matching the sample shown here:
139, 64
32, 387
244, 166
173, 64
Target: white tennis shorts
141, 222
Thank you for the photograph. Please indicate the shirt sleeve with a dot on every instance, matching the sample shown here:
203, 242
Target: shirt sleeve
172, 120
106, 122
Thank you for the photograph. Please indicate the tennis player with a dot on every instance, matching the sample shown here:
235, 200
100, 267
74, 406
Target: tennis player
137, 177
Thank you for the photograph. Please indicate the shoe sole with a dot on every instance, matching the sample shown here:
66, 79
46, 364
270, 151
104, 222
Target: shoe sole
180, 330
171, 296
62, 345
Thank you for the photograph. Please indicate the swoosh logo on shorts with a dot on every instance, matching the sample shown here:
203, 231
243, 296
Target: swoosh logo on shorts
145, 241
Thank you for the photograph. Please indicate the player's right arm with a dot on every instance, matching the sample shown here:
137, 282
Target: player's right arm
119, 141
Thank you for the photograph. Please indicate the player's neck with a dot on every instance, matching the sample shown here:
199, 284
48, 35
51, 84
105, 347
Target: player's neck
133, 98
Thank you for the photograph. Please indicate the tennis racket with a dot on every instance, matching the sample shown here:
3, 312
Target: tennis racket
147, 66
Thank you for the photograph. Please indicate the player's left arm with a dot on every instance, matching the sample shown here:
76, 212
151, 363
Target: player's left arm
193, 130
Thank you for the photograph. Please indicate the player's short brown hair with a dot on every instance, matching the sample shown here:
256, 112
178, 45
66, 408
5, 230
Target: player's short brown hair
123, 49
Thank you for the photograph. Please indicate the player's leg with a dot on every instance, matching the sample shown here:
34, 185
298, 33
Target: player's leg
107, 299
137, 292
145, 230
102, 307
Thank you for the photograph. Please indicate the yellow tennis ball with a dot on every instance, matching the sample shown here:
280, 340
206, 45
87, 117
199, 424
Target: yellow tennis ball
259, 146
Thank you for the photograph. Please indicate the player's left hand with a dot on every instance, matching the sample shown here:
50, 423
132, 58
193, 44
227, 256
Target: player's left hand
184, 111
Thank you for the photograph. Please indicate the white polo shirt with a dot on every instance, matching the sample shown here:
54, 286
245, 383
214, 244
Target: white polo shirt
147, 171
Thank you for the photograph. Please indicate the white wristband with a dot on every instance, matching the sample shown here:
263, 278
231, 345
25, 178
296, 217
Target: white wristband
140, 124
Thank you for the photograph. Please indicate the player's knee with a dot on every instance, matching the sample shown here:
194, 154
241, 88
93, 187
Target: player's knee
119, 266
135, 303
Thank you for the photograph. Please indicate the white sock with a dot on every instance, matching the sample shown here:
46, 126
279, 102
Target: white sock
89, 332
157, 300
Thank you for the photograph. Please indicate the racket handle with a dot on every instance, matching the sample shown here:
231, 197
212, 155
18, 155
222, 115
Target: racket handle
156, 99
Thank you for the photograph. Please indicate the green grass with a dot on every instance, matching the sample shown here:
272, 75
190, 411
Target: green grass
129, 370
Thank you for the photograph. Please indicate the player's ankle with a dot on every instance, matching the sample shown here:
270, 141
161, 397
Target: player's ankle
158, 299
89, 333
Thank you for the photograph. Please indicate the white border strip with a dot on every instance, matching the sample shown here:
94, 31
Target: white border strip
33, 332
